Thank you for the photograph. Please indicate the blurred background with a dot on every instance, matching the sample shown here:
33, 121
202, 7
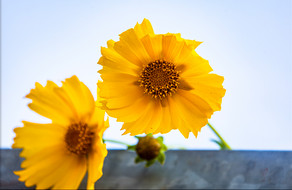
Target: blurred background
248, 42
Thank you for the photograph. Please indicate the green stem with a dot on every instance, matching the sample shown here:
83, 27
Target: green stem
176, 147
117, 142
218, 135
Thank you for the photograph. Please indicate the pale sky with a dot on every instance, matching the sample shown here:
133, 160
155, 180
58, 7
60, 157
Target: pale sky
248, 42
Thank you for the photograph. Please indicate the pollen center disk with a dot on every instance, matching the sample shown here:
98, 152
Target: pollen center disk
159, 79
78, 138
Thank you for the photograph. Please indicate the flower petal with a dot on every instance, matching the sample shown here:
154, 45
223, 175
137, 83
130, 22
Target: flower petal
143, 29
194, 118
140, 125
95, 162
171, 48
116, 62
54, 165
46, 102
156, 118
74, 174
116, 89
208, 87
56, 172
200, 105
34, 136
153, 46
131, 48
131, 112
166, 121
72, 101
178, 123
80, 96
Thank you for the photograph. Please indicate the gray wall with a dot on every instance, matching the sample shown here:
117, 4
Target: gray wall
182, 170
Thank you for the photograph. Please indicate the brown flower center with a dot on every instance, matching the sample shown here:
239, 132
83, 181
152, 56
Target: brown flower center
79, 138
159, 79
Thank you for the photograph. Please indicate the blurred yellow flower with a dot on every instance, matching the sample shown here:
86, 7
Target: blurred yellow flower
57, 155
155, 83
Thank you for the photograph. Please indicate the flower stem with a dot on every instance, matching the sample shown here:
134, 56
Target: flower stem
218, 135
114, 141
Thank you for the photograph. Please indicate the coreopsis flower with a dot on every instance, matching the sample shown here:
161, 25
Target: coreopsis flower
58, 154
157, 82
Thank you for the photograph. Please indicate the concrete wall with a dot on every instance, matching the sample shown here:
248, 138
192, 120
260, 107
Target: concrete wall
182, 170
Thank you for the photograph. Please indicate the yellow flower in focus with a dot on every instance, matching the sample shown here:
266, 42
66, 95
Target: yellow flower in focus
157, 82
57, 155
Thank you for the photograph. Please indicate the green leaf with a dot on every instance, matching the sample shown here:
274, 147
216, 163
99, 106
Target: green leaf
161, 158
138, 159
149, 163
221, 144
163, 148
160, 139
132, 147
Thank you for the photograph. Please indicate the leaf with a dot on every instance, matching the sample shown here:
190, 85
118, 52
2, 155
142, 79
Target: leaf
221, 144
163, 148
160, 139
132, 147
161, 158
149, 163
138, 159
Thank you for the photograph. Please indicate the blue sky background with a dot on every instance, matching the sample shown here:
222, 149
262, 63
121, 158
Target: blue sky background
248, 42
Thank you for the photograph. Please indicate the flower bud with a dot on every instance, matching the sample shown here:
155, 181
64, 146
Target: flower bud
148, 148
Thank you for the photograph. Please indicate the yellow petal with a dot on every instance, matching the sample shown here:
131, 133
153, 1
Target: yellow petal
95, 162
143, 29
52, 159
153, 46
55, 172
110, 43
131, 112
200, 105
166, 121
131, 48
116, 89
71, 102
193, 65
115, 61
72, 178
171, 48
80, 97
33, 137
118, 77
208, 87
139, 125
178, 122
193, 43
190, 114
97, 117
49, 104
125, 100
156, 118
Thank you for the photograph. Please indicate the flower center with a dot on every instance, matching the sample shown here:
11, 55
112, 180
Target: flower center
159, 79
79, 138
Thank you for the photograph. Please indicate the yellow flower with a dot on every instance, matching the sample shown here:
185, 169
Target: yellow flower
155, 83
57, 155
